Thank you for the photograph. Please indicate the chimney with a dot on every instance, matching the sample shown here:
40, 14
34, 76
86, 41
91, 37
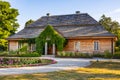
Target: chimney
77, 12
48, 14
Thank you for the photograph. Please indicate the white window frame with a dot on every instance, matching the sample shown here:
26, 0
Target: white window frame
77, 46
96, 45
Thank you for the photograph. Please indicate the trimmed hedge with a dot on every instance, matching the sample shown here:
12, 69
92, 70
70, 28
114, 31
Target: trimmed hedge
72, 54
21, 54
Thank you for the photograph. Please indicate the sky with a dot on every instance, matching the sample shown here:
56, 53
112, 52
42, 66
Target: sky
34, 9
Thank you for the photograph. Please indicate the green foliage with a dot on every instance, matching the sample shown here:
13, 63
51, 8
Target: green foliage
29, 54
12, 52
98, 55
23, 49
117, 49
73, 54
107, 54
21, 54
8, 22
29, 22
111, 26
3, 53
116, 55
51, 36
8, 54
29, 41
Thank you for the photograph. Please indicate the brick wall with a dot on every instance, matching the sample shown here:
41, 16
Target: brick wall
87, 45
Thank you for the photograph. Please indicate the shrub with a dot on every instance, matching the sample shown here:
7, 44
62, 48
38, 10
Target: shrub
72, 54
116, 55
107, 54
68, 54
98, 55
117, 49
21, 54
85, 55
23, 49
12, 52
3, 53
59, 53
29, 54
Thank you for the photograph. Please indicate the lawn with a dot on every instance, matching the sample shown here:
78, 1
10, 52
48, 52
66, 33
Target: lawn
96, 71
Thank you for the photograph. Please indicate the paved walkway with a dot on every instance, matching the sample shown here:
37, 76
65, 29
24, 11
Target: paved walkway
63, 64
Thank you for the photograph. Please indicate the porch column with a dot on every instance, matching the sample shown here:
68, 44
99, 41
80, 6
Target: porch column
45, 48
53, 49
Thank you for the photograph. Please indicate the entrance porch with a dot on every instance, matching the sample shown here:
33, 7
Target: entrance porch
49, 50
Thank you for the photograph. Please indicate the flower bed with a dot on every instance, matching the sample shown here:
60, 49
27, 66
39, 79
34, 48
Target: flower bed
22, 62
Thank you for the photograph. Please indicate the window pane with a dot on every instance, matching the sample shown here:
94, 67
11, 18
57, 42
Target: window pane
96, 45
77, 46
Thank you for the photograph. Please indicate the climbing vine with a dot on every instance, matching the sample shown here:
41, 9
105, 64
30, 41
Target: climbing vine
51, 36
29, 41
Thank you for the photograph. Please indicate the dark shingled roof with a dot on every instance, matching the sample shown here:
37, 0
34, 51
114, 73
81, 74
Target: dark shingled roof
73, 25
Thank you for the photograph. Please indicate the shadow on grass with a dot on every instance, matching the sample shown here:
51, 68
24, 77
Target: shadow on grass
80, 74
96, 71
106, 65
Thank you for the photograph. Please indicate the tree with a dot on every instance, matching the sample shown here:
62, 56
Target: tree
111, 26
8, 22
29, 22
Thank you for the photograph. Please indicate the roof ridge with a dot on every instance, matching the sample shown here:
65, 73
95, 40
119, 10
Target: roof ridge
66, 15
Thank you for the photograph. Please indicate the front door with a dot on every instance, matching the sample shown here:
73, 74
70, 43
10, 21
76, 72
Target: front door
50, 50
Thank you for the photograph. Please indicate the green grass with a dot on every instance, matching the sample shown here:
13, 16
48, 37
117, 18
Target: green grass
96, 71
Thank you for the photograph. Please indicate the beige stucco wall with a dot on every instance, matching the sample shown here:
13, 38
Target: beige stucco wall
87, 45
13, 45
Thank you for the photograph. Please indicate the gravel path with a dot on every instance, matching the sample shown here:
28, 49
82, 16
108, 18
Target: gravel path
62, 64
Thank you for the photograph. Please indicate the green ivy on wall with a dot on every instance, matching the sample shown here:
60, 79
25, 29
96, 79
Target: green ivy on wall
51, 36
29, 41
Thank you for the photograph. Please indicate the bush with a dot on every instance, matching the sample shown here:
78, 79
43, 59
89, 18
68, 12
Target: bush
3, 53
23, 49
84, 55
72, 54
29, 54
116, 55
12, 52
98, 55
117, 49
107, 54
21, 54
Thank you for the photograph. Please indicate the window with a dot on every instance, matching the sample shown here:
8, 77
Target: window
20, 45
77, 46
96, 45
33, 47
